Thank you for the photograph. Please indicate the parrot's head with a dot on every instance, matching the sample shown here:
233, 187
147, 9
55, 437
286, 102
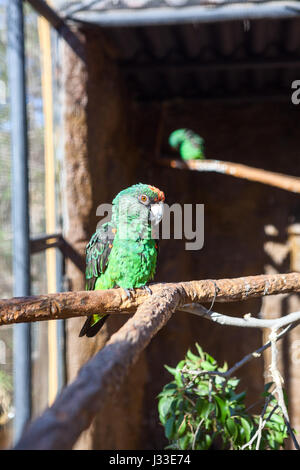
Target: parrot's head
140, 202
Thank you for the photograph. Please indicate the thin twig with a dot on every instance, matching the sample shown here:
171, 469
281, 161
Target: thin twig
257, 352
247, 321
254, 355
261, 425
278, 384
196, 432
263, 422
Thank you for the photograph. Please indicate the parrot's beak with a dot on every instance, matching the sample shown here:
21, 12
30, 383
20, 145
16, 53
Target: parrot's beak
157, 212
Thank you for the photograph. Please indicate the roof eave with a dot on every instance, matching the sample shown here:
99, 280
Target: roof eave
193, 14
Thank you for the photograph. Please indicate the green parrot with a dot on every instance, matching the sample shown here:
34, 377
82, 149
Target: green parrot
189, 144
122, 252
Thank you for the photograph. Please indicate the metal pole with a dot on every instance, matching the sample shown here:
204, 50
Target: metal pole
60, 328
20, 211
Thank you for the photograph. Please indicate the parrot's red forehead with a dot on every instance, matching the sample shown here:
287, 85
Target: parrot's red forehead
160, 194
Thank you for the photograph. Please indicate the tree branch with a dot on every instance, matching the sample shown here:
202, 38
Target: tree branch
278, 180
98, 380
76, 304
246, 322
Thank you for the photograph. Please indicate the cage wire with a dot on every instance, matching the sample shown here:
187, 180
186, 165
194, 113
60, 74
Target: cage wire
37, 210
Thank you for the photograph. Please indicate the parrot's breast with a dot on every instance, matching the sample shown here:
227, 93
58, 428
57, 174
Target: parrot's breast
131, 264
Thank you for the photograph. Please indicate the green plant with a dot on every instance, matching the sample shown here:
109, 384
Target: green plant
5, 396
201, 409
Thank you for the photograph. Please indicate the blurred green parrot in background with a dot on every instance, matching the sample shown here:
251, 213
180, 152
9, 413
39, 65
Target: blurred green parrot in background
123, 252
189, 144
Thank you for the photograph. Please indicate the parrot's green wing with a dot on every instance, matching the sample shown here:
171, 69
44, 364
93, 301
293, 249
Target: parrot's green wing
97, 253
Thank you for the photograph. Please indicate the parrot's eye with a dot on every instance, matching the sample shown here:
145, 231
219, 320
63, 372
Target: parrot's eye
144, 199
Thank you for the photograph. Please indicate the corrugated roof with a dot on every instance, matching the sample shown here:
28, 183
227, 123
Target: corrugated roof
199, 49
221, 60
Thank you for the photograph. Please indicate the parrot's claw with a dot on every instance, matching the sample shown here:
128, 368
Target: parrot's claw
129, 292
147, 288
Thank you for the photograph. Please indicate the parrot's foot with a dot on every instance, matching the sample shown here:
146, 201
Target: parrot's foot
129, 292
147, 288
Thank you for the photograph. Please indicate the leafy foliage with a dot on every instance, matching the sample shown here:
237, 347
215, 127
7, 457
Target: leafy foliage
201, 409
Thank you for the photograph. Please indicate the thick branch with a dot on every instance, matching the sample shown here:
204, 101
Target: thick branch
98, 380
76, 304
278, 180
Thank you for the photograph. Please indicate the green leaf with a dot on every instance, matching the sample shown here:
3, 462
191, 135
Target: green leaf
223, 409
172, 370
180, 425
164, 405
204, 408
169, 427
205, 365
278, 436
202, 389
246, 427
210, 359
170, 386
231, 428
233, 382
219, 381
184, 441
200, 351
224, 368
168, 390
208, 441
180, 365
193, 357
177, 374
277, 419
178, 378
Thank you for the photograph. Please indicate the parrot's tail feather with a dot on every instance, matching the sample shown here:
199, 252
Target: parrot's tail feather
90, 328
